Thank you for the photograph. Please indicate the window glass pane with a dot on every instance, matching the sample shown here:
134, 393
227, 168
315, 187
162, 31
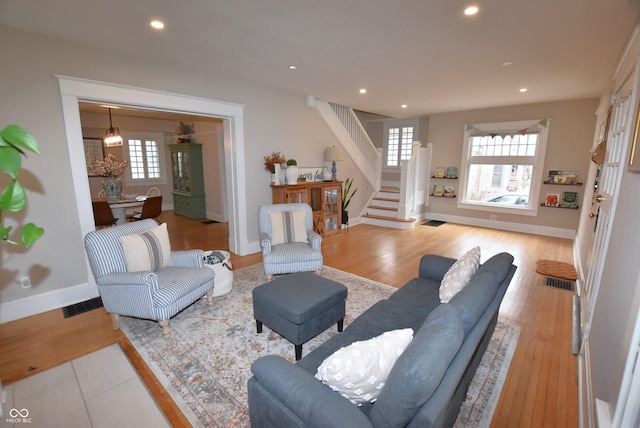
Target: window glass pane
407, 142
152, 160
506, 185
393, 145
136, 160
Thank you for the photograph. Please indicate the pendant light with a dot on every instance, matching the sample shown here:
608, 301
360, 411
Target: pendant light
112, 137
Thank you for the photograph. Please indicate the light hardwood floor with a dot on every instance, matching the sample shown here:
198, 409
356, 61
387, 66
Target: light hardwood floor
540, 389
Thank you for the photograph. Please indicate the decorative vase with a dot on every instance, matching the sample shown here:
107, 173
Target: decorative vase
113, 188
291, 174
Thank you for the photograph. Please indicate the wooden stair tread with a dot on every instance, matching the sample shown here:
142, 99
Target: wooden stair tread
389, 189
380, 217
377, 198
378, 207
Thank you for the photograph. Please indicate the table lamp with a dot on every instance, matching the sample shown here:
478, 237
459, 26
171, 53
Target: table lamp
333, 154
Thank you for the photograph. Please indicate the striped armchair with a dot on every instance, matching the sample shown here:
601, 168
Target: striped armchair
289, 257
156, 295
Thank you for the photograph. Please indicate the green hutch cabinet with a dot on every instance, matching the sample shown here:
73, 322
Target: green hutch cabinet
188, 180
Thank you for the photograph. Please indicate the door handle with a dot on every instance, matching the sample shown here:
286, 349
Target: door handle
592, 215
599, 198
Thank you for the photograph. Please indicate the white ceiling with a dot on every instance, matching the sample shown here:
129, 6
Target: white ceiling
423, 53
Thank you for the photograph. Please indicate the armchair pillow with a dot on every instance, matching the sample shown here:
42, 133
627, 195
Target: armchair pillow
458, 276
358, 371
147, 251
288, 226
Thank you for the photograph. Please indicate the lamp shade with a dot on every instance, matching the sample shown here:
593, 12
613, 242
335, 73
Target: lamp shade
333, 154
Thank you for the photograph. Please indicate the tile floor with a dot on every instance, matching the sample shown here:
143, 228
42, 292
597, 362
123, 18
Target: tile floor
101, 389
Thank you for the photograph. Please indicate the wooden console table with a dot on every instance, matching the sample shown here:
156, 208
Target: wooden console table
325, 198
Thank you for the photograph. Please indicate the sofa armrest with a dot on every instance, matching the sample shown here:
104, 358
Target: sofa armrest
314, 239
265, 243
188, 258
434, 267
296, 391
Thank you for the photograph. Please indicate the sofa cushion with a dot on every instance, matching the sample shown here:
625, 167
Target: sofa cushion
458, 276
473, 300
420, 368
288, 226
358, 371
420, 293
147, 251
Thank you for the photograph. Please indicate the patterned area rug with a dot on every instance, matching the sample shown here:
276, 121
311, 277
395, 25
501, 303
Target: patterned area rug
206, 363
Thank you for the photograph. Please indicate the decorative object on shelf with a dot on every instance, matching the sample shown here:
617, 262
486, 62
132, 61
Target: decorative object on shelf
313, 174
15, 141
569, 200
112, 136
110, 168
562, 177
552, 200
184, 131
270, 162
438, 190
291, 173
452, 172
439, 172
333, 154
347, 194
449, 192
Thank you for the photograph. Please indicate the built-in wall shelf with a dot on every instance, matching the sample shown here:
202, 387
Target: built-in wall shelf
566, 208
444, 178
562, 184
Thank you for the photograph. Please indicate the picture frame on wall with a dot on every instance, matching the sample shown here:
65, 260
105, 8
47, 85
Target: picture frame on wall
438, 190
93, 151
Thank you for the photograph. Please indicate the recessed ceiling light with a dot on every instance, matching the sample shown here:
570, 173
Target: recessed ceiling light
363, 91
471, 10
403, 106
157, 24
506, 63
293, 67
523, 89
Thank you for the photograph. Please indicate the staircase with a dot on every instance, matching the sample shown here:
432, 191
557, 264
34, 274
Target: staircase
390, 206
383, 210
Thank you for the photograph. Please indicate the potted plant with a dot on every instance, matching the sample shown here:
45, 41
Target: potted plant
347, 194
184, 131
270, 162
291, 172
14, 141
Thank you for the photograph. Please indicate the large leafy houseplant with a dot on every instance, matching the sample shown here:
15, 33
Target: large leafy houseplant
347, 194
14, 141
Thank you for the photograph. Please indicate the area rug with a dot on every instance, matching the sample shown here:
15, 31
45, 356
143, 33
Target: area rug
206, 363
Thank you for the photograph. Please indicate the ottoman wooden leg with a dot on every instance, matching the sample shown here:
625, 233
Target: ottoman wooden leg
258, 326
340, 324
298, 352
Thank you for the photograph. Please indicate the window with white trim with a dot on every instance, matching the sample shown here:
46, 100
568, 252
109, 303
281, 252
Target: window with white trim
399, 144
145, 158
502, 166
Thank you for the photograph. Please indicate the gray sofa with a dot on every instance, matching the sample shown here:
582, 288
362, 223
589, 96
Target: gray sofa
429, 381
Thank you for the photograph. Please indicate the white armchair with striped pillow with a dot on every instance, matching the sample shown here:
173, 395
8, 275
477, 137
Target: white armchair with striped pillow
139, 276
287, 239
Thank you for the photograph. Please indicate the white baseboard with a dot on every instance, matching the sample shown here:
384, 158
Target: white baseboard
22, 308
504, 225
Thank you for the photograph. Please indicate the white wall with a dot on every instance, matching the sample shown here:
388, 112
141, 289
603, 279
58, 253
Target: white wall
273, 120
570, 138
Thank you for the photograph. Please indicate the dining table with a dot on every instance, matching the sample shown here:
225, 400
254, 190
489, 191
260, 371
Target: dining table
119, 207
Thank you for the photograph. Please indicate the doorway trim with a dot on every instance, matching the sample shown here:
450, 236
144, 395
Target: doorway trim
74, 90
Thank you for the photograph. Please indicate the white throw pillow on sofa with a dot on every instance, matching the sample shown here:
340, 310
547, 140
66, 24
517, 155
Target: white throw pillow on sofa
358, 371
458, 275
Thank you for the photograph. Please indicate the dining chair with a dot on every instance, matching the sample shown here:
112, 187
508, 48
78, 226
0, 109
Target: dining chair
153, 191
152, 208
102, 214
102, 194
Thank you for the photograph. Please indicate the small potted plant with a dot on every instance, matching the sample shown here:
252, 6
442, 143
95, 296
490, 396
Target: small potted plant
291, 172
270, 162
184, 131
347, 194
